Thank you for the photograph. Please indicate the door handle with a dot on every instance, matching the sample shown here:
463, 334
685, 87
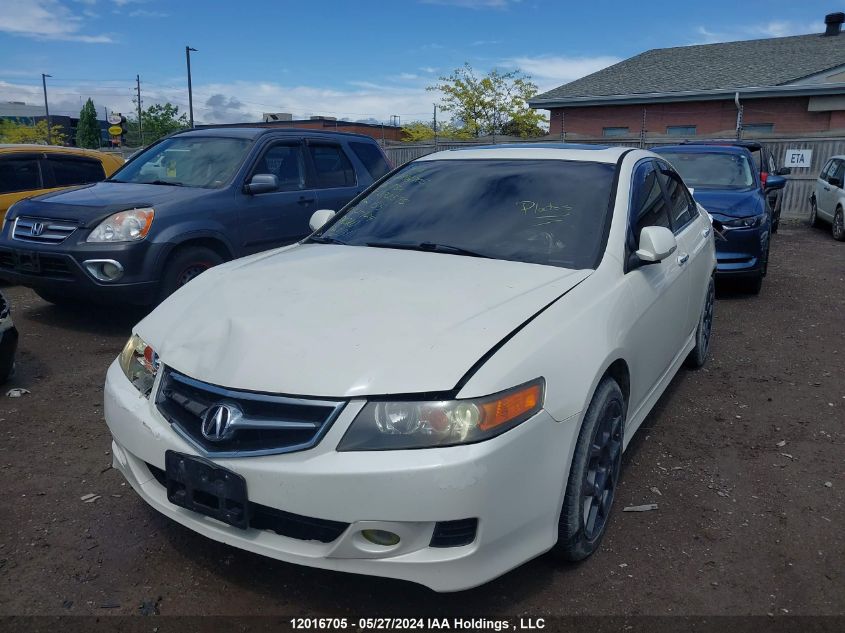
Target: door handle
827, 188
304, 200
683, 258
706, 232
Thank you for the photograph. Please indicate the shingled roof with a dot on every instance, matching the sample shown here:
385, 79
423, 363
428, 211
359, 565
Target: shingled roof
709, 67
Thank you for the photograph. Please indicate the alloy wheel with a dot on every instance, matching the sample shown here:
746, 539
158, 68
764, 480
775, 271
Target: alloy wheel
839, 225
194, 270
602, 473
707, 317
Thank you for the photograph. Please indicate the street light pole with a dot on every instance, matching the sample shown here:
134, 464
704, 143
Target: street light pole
188, 50
46, 107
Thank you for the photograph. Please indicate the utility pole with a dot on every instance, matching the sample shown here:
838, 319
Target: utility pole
46, 107
188, 50
140, 125
642, 131
739, 108
435, 127
562, 126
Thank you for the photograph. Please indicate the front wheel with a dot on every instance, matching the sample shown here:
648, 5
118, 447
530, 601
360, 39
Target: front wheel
814, 213
185, 265
838, 227
594, 475
698, 355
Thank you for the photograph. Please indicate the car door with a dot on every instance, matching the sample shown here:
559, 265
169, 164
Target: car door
336, 180
833, 192
692, 236
276, 218
660, 291
20, 177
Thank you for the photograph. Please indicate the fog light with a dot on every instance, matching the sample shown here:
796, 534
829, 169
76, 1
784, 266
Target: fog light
104, 269
380, 537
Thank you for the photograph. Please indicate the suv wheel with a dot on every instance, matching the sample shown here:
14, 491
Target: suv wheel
184, 265
838, 227
594, 475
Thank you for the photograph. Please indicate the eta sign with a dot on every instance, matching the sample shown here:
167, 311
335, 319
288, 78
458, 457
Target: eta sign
799, 158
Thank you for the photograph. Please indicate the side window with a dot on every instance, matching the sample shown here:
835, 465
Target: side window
19, 174
286, 162
648, 201
681, 206
840, 171
371, 156
70, 170
332, 166
827, 169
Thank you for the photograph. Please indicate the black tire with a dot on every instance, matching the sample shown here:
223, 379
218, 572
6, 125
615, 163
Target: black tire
698, 355
837, 228
185, 264
594, 476
814, 217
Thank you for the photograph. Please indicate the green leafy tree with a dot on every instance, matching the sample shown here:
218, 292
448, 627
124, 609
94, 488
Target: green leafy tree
88, 129
421, 131
156, 121
13, 132
486, 105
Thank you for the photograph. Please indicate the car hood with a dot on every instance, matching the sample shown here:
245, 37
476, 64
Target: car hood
734, 204
347, 321
93, 202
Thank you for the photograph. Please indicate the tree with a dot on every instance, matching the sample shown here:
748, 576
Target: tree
156, 121
13, 132
485, 105
421, 131
88, 129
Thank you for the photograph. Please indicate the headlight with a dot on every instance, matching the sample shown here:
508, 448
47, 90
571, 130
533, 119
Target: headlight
6, 217
125, 226
745, 223
403, 424
140, 363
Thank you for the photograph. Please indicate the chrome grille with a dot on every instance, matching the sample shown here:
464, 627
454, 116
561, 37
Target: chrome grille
42, 230
267, 424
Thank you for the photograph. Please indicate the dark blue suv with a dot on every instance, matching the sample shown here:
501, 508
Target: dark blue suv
725, 181
188, 202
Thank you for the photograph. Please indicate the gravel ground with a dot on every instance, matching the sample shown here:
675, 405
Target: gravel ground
745, 459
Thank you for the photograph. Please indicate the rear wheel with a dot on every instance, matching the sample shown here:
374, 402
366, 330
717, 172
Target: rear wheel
594, 475
184, 265
814, 213
698, 356
838, 227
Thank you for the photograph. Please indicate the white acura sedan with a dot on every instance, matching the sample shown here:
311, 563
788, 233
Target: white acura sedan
438, 384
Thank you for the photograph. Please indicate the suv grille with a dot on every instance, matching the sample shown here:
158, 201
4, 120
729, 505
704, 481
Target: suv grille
42, 231
259, 424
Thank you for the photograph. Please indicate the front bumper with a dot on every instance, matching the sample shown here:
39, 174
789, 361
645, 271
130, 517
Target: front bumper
742, 252
513, 484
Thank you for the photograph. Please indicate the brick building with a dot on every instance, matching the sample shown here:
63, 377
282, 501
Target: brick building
784, 86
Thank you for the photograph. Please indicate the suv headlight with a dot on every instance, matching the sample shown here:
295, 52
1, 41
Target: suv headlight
6, 217
140, 364
126, 226
745, 223
392, 425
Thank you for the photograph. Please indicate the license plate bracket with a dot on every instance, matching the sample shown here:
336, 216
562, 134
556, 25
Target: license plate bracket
200, 485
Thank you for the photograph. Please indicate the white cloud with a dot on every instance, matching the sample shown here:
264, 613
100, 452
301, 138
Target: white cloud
775, 28
550, 71
46, 19
143, 13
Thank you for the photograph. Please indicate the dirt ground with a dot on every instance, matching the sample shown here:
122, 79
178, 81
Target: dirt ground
745, 459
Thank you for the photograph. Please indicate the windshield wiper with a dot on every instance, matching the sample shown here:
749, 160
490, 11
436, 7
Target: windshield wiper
162, 182
319, 239
430, 247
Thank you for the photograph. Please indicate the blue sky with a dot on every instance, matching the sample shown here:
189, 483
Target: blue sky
357, 60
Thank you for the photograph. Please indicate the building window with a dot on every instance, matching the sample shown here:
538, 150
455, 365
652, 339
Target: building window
680, 130
614, 131
759, 128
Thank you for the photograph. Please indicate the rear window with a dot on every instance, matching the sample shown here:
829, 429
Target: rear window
69, 171
332, 166
373, 159
19, 174
712, 170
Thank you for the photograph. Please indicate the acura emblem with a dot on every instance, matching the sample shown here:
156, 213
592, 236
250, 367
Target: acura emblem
36, 229
218, 422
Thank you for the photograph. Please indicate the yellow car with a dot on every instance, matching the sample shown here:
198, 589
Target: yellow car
29, 170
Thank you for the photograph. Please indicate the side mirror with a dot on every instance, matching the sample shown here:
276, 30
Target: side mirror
656, 244
319, 218
262, 183
775, 182
835, 182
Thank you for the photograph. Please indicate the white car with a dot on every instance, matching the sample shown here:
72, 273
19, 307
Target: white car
828, 201
438, 384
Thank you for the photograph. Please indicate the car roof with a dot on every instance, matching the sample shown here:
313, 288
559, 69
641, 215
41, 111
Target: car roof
701, 149
752, 145
254, 132
527, 151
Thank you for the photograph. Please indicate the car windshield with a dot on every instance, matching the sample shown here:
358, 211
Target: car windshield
205, 162
550, 212
712, 170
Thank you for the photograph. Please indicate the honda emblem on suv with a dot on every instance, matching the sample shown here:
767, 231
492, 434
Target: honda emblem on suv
218, 420
36, 229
